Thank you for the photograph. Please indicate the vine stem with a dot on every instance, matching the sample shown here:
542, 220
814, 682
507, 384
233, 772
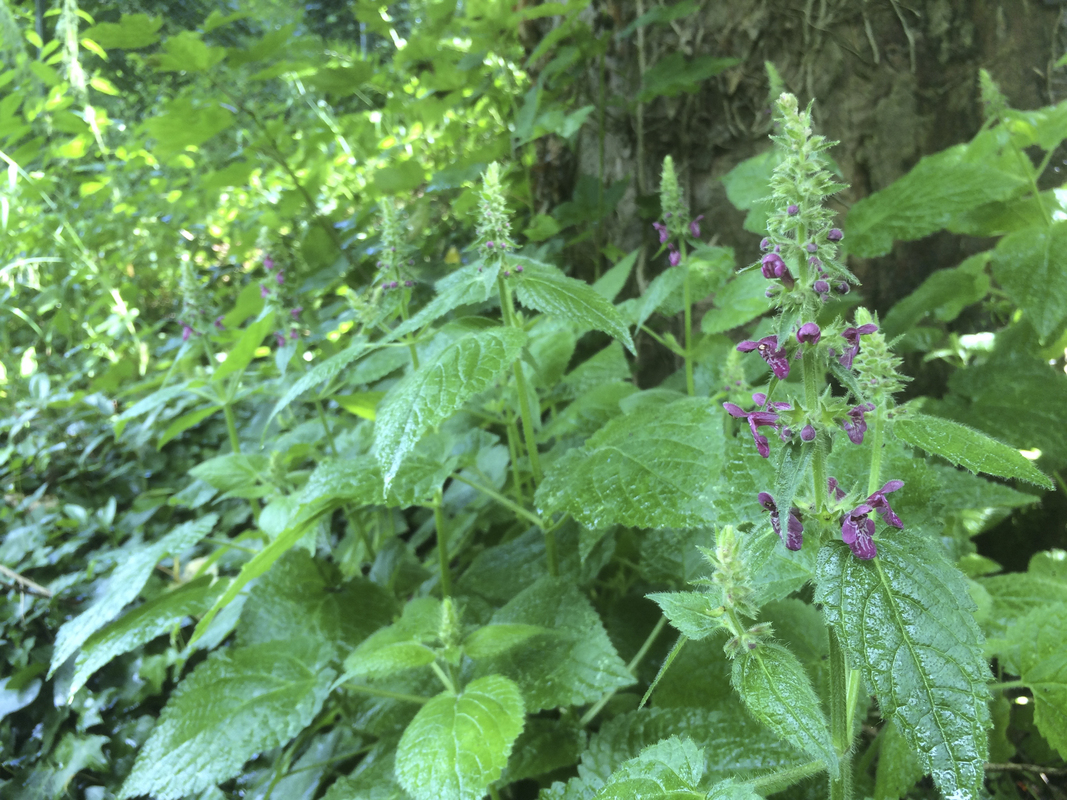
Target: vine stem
504, 501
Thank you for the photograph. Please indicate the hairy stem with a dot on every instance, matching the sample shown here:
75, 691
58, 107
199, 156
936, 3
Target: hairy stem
840, 731
690, 386
442, 544
811, 401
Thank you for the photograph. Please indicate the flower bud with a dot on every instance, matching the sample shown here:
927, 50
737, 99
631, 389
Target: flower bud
793, 210
835, 235
807, 433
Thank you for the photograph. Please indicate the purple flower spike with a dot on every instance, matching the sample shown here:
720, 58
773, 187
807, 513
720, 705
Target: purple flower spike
855, 426
694, 226
821, 287
769, 351
295, 312
794, 530
852, 336
219, 324
675, 257
815, 262
857, 531
771, 265
263, 291
186, 332
809, 333
879, 503
755, 420
793, 210
280, 277
807, 433
268, 264
765, 244
835, 235
661, 229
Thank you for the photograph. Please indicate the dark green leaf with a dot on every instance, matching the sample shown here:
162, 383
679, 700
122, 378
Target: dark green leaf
668, 770
1031, 266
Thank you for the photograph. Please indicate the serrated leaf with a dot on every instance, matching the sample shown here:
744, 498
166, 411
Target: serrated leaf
124, 585
777, 691
730, 789
184, 422
742, 300
545, 289
648, 469
793, 461
944, 295
898, 768
458, 744
492, 640
358, 481
235, 474
905, 621
1042, 664
1015, 594
321, 373
240, 702
574, 664
242, 353
143, 624
692, 613
967, 447
674, 74
668, 770
662, 287
430, 394
1031, 266
925, 200
470, 285
400, 646
131, 32
545, 745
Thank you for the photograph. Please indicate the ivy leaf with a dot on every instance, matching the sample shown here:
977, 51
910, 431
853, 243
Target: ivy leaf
142, 625
544, 288
322, 372
965, 446
573, 664
458, 744
430, 394
648, 469
1031, 265
776, 689
124, 585
240, 702
905, 620
668, 770
692, 613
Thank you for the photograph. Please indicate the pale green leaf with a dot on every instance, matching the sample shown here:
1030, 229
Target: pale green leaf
322, 372
402, 645
967, 447
492, 640
905, 620
611, 282
238, 703
184, 422
131, 32
1031, 266
545, 745
124, 585
1043, 668
545, 289
358, 482
668, 770
775, 688
143, 624
652, 468
696, 615
236, 474
458, 744
439, 387
742, 300
469, 285
244, 350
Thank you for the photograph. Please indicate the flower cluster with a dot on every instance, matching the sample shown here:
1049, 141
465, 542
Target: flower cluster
195, 306
494, 224
757, 419
857, 527
272, 289
674, 227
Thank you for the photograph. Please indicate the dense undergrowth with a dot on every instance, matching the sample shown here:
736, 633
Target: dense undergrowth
325, 478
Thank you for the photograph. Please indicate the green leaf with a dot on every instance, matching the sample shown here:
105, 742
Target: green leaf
729, 789
322, 372
1031, 266
1015, 595
467, 286
440, 386
898, 769
662, 287
458, 744
187, 52
611, 282
793, 461
185, 422
124, 585
245, 350
776, 689
905, 620
573, 664
925, 200
674, 74
400, 646
944, 295
741, 300
747, 187
648, 469
545, 745
492, 640
142, 624
238, 703
545, 289
235, 474
668, 770
696, 615
187, 123
967, 447
131, 32
399, 177
358, 481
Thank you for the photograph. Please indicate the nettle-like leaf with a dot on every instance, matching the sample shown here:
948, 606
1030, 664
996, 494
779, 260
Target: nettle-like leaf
124, 585
905, 620
358, 481
322, 372
574, 664
142, 624
1031, 266
240, 702
458, 744
697, 615
492, 640
648, 469
544, 288
669, 770
430, 394
400, 646
545, 745
244, 350
898, 768
469, 285
775, 688
1014, 595
967, 447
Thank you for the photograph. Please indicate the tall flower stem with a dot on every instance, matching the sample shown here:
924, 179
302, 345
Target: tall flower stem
874, 481
840, 719
690, 386
442, 543
811, 400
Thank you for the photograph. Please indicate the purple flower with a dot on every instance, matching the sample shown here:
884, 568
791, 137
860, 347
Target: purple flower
268, 264
186, 332
280, 338
835, 491
807, 433
852, 336
879, 503
809, 333
822, 288
293, 333
857, 531
792, 210
812, 247
794, 530
835, 235
490, 245
772, 266
280, 277
507, 273
694, 226
263, 291
815, 262
218, 323
385, 285
409, 284
393, 284
295, 312
518, 268
769, 351
765, 244
855, 426
758, 418
661, 229
675, 256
